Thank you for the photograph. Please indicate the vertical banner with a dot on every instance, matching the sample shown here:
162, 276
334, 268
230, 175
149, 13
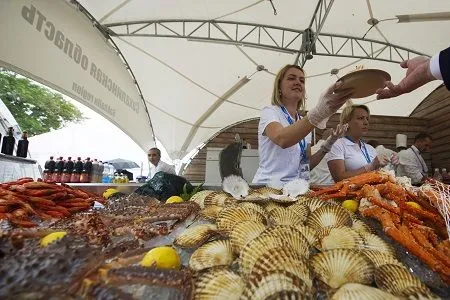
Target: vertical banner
57, 45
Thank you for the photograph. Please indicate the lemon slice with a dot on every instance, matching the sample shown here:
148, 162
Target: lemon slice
52, 237
414, 204
162, 258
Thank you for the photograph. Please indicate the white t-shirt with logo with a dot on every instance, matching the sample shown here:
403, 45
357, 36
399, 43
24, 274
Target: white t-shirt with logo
353, 156
275, 163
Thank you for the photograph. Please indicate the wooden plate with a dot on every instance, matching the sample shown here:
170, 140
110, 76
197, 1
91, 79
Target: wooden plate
364, 82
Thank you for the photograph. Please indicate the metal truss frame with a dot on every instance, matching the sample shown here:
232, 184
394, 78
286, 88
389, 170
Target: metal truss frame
311, 34
281, 39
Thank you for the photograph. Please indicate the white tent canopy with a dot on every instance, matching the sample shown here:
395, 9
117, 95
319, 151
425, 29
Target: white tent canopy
192, 58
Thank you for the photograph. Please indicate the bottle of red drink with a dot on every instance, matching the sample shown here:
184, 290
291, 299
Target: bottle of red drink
88, 169
68, 170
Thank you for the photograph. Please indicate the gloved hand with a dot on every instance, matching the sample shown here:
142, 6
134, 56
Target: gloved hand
336, 134
329, 102
378, 162
394, 159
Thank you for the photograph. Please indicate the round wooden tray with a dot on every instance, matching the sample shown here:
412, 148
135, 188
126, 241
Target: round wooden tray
364, 82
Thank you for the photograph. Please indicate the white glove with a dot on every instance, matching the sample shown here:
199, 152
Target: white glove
336, 134
378, 162
329, 102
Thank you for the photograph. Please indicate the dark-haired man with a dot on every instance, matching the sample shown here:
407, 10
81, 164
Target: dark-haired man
156, 164
412, 163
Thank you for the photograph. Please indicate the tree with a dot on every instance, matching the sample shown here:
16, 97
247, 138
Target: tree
37, 109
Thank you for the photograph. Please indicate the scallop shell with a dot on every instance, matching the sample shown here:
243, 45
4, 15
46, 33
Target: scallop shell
218, 198
381, 258
278, 236
195, 236
329, 216
244, 232
308, 233
199, 197
356, 291
253, 206
283, 216
217, 253
219, 284
395, 279
374, 242
360, 226
288, 295
271, 205
272, 284
231, 216
300, 209
340, 266
279, 259
211, 212
313, 203
266, 191
418, 293
338, 238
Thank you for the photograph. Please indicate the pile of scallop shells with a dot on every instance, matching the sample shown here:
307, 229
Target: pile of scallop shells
306, 250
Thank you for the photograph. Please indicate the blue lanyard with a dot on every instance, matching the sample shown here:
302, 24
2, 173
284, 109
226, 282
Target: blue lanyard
302, 143
365, 153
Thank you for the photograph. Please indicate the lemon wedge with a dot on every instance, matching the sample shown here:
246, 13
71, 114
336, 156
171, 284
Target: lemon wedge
351, 205
174, 199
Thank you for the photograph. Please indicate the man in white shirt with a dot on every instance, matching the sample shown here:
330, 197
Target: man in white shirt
156, 164
412, 163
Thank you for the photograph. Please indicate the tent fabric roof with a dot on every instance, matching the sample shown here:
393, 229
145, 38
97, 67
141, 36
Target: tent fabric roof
182, 80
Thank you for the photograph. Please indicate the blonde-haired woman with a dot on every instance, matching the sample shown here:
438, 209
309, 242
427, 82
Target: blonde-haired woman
350, 155
284, 134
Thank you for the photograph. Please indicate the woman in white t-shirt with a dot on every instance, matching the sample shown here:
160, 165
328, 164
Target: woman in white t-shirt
284, 135
350, 155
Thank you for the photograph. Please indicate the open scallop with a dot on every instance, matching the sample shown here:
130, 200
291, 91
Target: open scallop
340, 266
195, 236
218, 198
244, 232
356, 291
282, 258
231, 216
329, 216
283, 216
395, 279
212, 254
219, 284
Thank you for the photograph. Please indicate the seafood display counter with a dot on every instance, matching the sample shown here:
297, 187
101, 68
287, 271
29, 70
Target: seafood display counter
265, 245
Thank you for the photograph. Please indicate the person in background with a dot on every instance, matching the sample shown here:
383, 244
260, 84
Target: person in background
420, 71
245, 144
411, 162
156, 164
350, 156
320, 175
284, 135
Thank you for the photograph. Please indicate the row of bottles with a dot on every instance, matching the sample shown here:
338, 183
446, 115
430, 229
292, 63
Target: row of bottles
84, 171
9, 141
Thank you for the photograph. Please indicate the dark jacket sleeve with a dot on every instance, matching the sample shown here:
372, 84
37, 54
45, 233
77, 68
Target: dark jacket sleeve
444, 64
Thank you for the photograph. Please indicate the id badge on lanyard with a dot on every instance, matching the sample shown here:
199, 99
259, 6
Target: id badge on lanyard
304, 164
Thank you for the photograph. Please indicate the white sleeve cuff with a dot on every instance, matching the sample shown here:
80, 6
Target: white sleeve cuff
435, 68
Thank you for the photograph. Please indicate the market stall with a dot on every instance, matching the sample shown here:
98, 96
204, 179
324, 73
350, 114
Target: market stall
265, 245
